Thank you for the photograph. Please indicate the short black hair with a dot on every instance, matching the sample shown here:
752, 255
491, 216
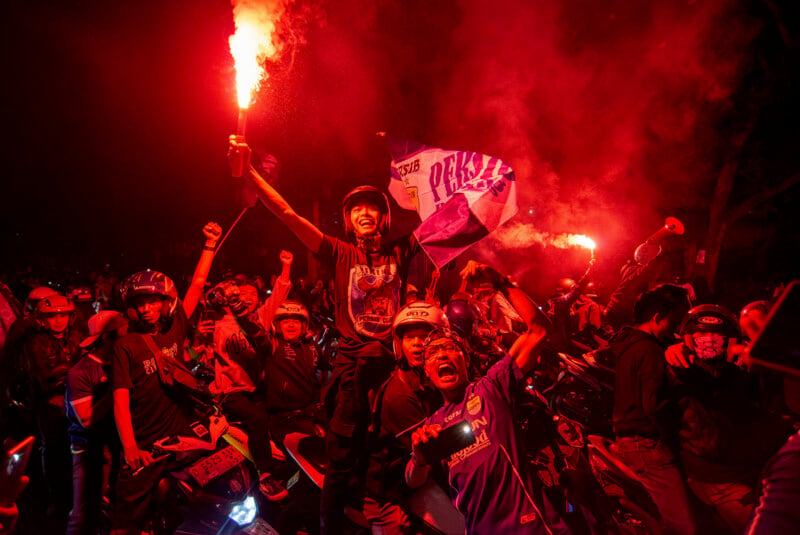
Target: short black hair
661, 300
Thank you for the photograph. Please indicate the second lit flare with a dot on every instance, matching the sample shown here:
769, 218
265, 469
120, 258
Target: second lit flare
583, 241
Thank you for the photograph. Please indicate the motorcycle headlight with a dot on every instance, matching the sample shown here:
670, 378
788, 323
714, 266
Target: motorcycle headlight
244, 512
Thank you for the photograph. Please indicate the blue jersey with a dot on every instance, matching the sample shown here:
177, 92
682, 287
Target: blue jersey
489, 481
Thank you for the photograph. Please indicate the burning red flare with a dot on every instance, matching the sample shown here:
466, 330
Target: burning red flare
581, 240
519, 235
253, 43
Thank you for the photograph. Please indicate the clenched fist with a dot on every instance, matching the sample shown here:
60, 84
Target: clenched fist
212, 232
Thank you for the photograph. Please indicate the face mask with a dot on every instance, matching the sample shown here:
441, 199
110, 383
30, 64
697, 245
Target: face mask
708, 345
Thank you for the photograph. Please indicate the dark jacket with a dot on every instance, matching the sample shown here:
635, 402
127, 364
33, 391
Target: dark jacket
290, 368
725, 436
642, 405
402, 402
47, 360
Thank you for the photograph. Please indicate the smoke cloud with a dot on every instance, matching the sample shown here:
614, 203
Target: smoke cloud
608, 112
605, 110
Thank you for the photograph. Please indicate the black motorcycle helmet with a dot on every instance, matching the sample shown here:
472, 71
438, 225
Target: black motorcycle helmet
372, 194
710, 319
461, 317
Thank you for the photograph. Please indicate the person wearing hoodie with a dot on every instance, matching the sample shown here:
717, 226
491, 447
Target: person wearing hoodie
642, 421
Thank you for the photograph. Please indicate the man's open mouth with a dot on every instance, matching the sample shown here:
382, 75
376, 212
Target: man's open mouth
446, 371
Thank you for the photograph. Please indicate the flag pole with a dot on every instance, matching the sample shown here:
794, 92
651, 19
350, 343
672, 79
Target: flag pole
225, 237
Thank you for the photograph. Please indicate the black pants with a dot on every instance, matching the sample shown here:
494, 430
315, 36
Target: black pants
88, 485
255, 421
282, 423
52, 422
135, 492
346, 439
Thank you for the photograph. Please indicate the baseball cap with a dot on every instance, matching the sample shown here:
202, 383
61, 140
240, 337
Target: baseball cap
103, 322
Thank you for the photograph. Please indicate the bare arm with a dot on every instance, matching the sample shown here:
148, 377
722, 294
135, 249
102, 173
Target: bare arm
525, 350
418, 469
310, 235
212, 232
280, 291
135, 457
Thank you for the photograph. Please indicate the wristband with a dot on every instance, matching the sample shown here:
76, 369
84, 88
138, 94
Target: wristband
209, 248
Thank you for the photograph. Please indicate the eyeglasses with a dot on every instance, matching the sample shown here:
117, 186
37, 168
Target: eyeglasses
434, 351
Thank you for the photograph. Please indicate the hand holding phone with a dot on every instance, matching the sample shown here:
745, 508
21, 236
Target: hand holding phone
435, 444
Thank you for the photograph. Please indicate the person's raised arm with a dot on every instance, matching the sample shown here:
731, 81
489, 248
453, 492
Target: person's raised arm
527, 347
212, 232
310, 235
280, 291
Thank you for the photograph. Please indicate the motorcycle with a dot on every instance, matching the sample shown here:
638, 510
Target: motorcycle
430, 508
214, 489
581, 403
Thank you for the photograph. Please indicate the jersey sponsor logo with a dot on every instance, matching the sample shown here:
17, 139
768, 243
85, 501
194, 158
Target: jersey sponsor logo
374, 298
481, 442
526, 519
474, 404
452, 416
481, 437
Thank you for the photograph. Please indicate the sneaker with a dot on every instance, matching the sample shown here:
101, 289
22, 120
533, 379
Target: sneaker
271, 488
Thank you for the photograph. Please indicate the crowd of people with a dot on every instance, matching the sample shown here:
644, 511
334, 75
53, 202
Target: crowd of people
83, 371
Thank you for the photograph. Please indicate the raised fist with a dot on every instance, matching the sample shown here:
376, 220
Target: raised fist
286, 257
212, 231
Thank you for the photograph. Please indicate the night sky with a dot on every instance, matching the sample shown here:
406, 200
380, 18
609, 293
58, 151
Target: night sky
613, 114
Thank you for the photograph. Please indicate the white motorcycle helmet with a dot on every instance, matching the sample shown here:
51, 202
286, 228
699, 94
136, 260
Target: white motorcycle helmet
291, 309
416, 314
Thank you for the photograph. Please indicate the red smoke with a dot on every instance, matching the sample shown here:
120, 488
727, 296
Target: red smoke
606, 110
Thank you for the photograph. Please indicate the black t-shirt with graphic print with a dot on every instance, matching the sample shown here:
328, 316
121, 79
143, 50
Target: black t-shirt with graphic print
155, 413
368, 291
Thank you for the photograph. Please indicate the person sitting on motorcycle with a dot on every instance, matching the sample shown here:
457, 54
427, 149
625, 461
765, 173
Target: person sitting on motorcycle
291, 382
404, 400
560, 310
145, 409
490, 480
370, 276
725, 436
643, 427
492, 309
587, 329
239, 368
